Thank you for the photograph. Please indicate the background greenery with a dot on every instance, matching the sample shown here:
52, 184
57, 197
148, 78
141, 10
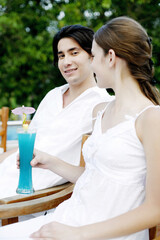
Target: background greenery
27, 29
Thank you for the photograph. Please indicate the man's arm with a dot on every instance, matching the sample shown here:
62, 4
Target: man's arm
8, 153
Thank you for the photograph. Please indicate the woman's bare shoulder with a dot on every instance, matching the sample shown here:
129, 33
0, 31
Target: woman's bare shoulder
148, 122
151, 116
99, 107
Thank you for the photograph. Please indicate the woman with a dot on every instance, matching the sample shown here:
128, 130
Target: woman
116, 196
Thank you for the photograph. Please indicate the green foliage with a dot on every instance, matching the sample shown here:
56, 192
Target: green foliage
26, 68
26, 31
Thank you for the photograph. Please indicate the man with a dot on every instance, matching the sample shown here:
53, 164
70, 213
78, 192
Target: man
65, 113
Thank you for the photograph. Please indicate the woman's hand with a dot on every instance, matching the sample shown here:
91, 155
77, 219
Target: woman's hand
40, 160
57, 231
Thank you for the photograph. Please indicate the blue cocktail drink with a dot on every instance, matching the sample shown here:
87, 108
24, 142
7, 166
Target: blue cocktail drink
26, 139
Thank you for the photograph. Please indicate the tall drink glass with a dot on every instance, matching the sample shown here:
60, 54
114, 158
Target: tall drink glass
26, 139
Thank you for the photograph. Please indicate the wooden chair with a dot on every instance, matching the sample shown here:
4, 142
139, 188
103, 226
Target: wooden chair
153, 233
157, 238
4, 113
12, 207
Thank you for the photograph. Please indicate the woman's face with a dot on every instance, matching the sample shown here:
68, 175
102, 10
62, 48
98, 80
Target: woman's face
100, 65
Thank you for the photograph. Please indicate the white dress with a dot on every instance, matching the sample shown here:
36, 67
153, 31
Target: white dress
113, 182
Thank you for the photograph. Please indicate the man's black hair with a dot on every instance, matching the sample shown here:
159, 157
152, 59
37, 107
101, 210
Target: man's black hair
82, 35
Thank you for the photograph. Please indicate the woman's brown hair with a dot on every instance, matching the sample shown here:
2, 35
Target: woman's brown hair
130, 41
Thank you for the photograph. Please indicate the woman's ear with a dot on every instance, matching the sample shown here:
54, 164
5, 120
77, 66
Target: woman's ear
111, 57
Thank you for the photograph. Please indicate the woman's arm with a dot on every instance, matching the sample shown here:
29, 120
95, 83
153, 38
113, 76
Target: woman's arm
56, 165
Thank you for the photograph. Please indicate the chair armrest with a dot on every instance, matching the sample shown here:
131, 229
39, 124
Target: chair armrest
35, 195
12, 209
157, 238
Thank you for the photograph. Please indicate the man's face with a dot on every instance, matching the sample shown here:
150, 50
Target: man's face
74, 63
